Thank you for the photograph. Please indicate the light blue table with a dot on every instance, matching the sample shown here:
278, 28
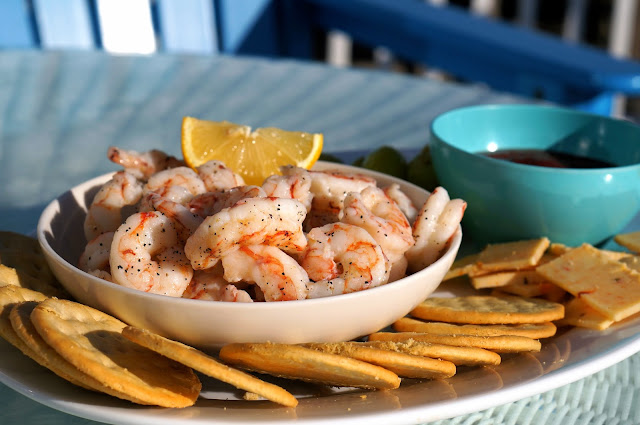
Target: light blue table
60, 111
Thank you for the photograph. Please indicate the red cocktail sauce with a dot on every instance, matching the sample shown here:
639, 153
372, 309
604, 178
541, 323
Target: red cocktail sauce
543, 158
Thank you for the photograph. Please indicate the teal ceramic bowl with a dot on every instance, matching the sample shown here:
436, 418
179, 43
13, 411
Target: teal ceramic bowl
512, 201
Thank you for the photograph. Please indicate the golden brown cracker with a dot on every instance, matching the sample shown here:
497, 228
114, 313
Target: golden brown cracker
536, 288
297, 362
206, 364
19, 242
487, 309
10, 296
513, 277
512, 255
558, 249
632, 261
463, 266
403, 364
459, 356
44, 354
92, 341
530, 330
499, 344
28, 269
607, 286
580, 314
631, 241
33, 265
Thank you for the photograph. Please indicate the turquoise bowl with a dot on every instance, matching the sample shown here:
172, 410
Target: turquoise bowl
511, 201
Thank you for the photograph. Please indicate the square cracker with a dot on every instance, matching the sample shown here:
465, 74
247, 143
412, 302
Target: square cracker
512, 277
578, 313
511, 255
631, 241
607, 286
463, 266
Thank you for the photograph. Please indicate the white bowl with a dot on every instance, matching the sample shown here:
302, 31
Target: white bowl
209, 324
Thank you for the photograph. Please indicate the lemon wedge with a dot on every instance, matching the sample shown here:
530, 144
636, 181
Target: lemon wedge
255, 155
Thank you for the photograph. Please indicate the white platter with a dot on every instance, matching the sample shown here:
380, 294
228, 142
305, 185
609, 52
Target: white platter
565, 358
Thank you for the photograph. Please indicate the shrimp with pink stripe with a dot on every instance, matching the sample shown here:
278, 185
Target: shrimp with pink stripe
217, 176
294, 183
146, 255
143, 164
105, 212
95, 257
179, 184
210, 285
379, 215
329, 188
342, 258
434, 227
210, 203
279, 277
250, 221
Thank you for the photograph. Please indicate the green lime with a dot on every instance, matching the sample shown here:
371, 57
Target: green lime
386, 160
420, 170
329, 158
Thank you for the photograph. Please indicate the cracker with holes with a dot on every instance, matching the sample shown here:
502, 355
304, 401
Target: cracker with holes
631, 241
22, 264
92, 341
530, 330
46, 356
607, 286
206, 364
19, 242
459, 356
10, 296
403, 364
488, 310
499, 344
298, 362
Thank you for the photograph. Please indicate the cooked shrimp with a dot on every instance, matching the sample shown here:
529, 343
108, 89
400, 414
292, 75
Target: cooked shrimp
295, 183
279, 277
329, 188
405, 204
342, 258
175, 181
184, 220
143, 165
435, 225
102, 274
146, 255
379, 215
95, 256
210, 203
251, 221
210, 285
104, 213
217, 176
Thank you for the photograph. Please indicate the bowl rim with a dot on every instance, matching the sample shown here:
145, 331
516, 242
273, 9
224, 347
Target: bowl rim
50, 209
527, 167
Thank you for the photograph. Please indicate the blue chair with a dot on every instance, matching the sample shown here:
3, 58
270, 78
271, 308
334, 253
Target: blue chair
472, 48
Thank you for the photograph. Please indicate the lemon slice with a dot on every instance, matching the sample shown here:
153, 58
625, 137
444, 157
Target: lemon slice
255, 155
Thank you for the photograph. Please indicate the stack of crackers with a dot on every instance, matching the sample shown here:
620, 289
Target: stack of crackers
528, 286
597, 287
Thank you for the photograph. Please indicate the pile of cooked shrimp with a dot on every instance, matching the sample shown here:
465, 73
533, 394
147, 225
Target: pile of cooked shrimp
204, 234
